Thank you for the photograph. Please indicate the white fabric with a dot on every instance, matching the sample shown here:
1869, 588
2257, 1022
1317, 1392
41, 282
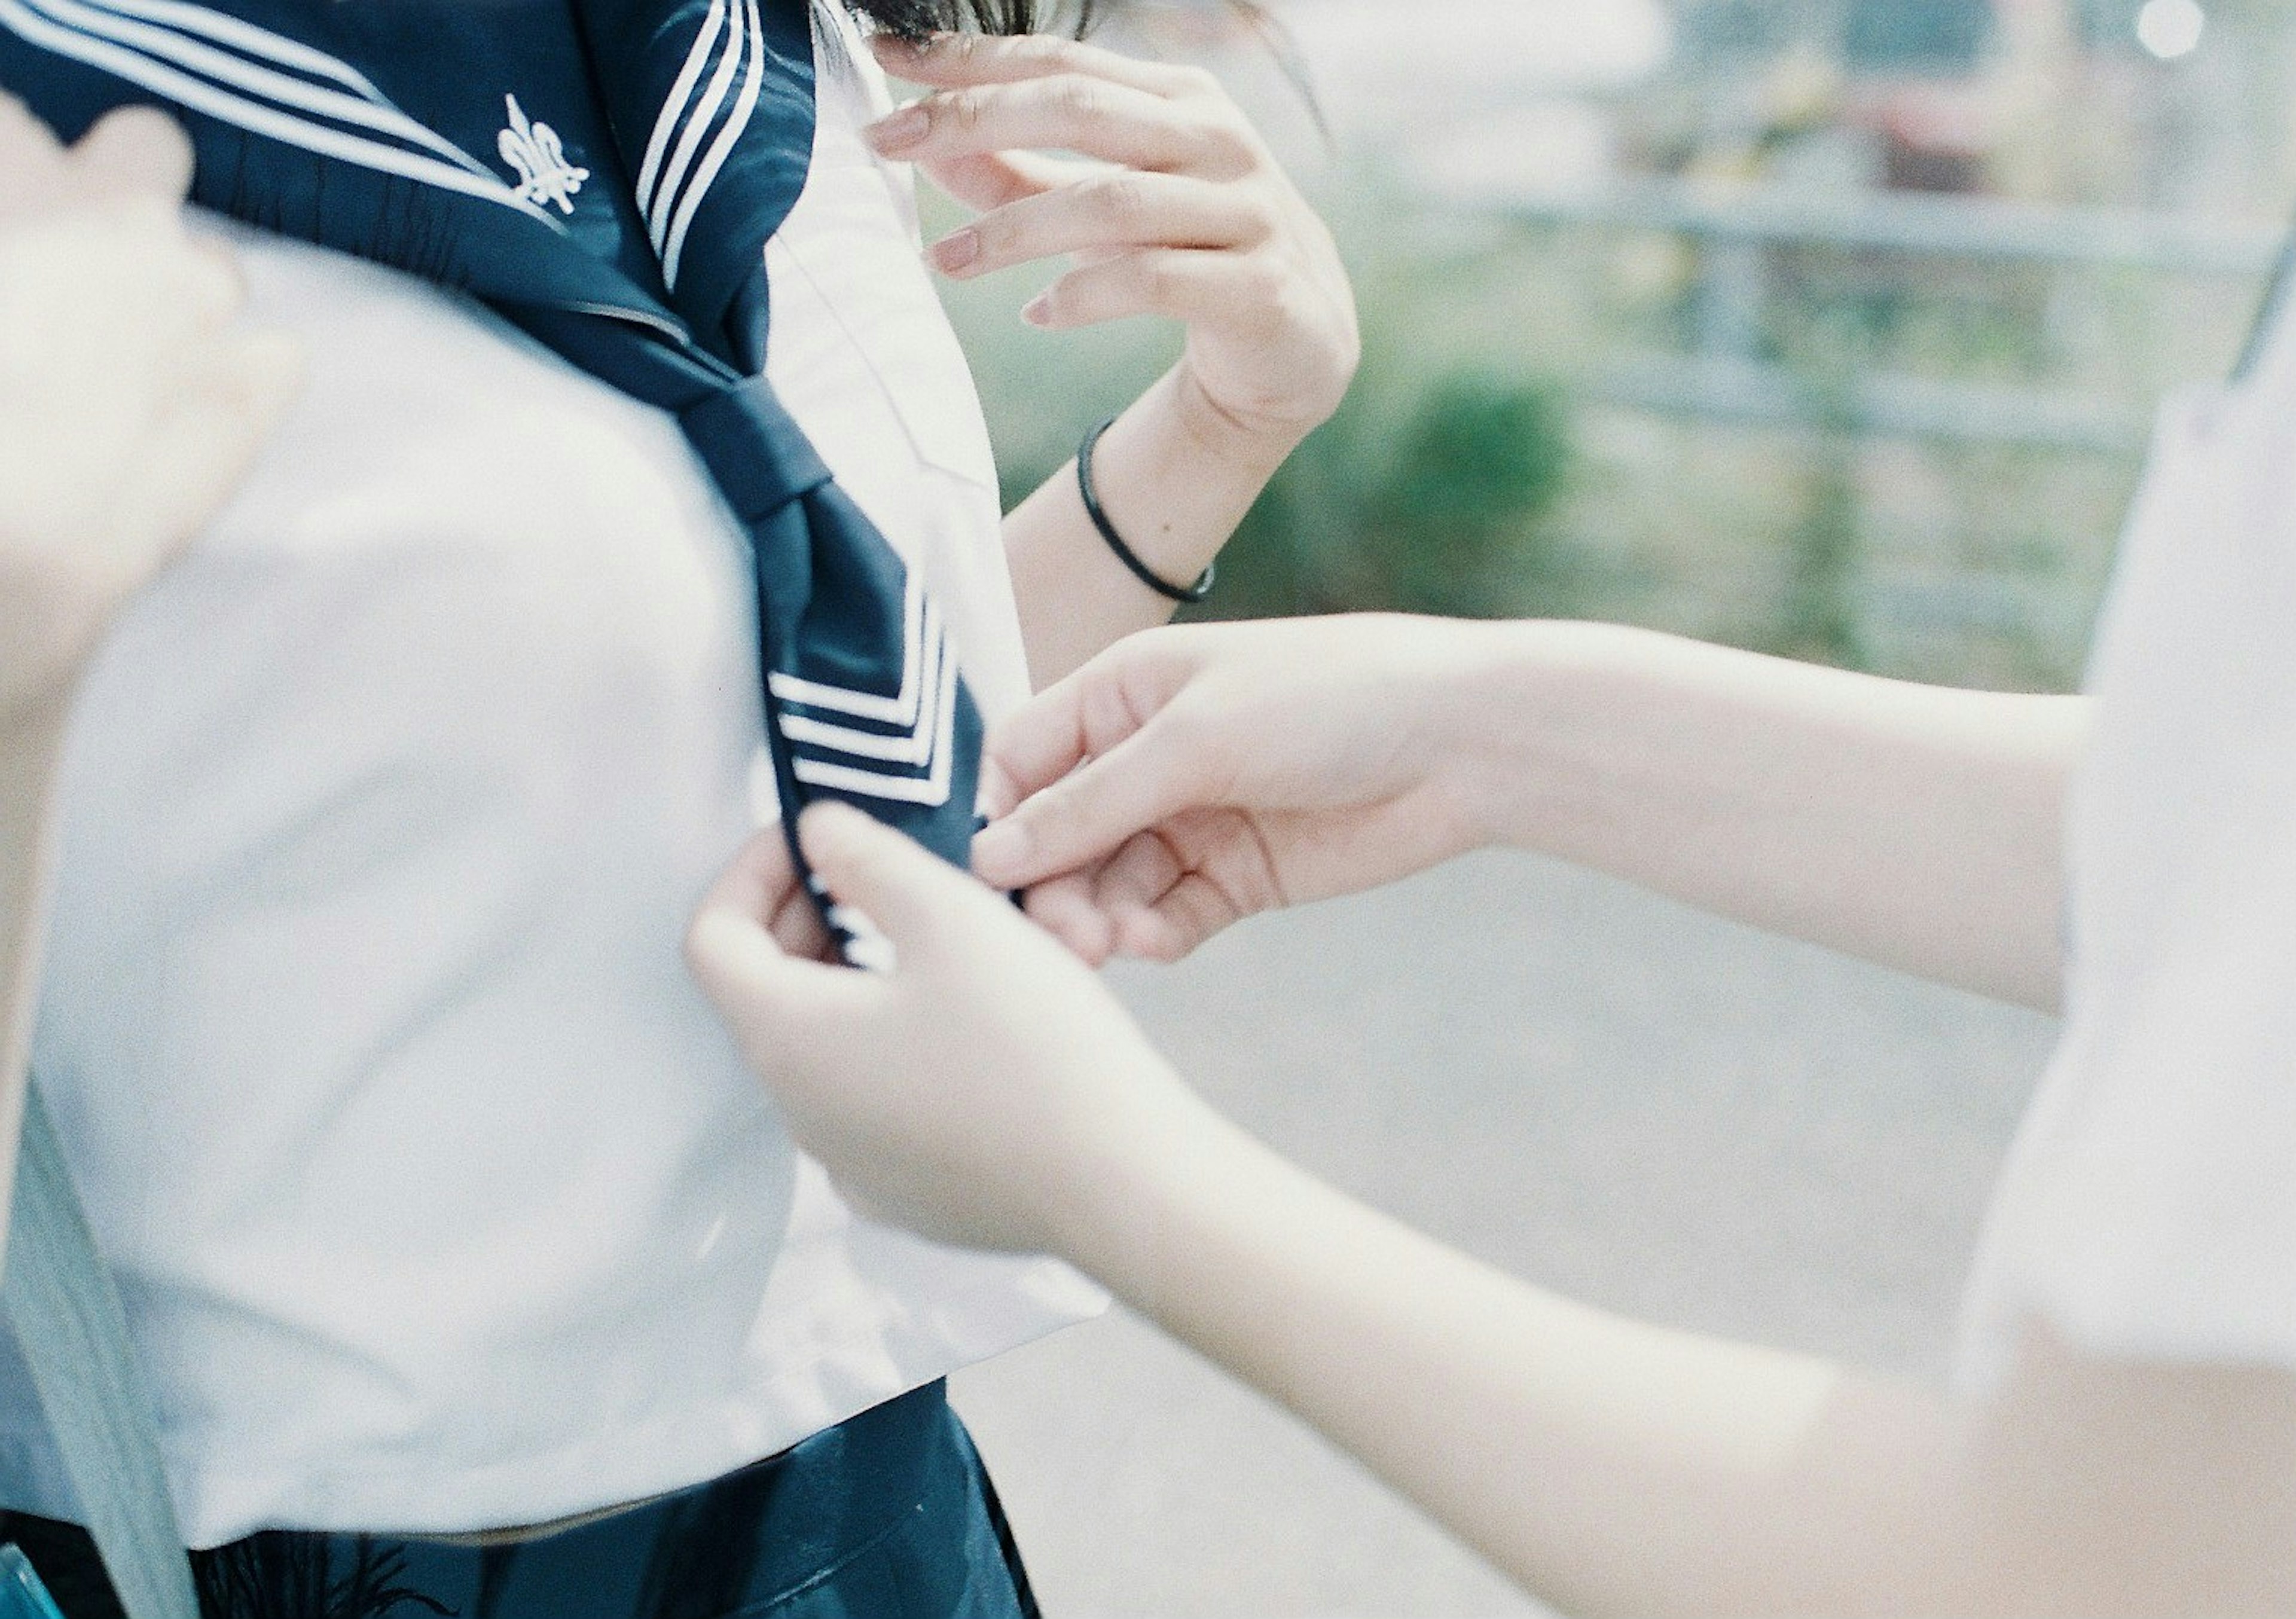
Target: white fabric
439, 1199
2149, 1207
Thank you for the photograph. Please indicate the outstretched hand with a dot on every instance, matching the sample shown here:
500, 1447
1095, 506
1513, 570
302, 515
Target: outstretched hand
1188, 778
128, 407
982, 1091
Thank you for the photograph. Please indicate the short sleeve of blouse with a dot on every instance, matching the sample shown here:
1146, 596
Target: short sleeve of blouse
2148, 1209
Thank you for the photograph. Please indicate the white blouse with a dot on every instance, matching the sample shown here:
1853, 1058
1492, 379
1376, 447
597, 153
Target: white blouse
439, 1198
2149, 1207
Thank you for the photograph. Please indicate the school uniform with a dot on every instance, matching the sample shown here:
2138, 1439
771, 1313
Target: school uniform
2147, 1210
439, 1200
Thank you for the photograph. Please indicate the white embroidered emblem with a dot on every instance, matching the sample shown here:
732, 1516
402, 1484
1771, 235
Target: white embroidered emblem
534, 150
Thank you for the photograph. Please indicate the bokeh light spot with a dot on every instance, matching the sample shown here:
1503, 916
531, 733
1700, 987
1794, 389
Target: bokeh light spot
2171, 28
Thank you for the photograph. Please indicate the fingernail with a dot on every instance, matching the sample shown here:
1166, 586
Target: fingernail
901, 130
1038, 311
955, 250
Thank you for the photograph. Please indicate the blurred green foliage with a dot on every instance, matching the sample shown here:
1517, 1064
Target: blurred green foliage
1483, 466
1463, 504
1431, 499
1435, 488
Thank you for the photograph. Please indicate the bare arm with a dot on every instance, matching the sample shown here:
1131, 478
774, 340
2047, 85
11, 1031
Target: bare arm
1181, 213
1176, 476
1609, 1464
127, 411
1613, 1466
1191, 776
1917, 826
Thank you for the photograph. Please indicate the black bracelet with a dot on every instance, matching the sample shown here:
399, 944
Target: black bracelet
1183, 593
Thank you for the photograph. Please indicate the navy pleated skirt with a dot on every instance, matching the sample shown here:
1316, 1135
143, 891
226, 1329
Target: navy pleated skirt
889, 1516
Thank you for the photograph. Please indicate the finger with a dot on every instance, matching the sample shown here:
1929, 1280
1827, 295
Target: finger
1064, 907
24, 136
204, 441
912, 895
796, 927
203, 279
762, 883
183, 287
765, 992
756, 880
1194, 910
1119, 210
738, 945
953, 60
1089, 711
1184, 284
1138, 875
135, 151
1070, 113
986, 180
1038, 743
1154, 903
32, 167
1091, 812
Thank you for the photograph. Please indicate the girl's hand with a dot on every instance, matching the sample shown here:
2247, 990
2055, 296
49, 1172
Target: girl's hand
1187, 777
128, 409
1183, 214
984, 1093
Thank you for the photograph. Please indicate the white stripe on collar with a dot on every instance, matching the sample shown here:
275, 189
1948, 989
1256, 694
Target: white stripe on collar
665, 125
187, 72
705, 176
694, 127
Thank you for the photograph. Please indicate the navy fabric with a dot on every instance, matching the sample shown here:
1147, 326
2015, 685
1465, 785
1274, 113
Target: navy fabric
637, 156
887, 1516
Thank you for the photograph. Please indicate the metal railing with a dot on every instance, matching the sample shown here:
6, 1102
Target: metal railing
1723, 375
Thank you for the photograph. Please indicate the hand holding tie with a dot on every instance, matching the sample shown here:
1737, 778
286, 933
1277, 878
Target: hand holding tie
1188, 778
984, 1089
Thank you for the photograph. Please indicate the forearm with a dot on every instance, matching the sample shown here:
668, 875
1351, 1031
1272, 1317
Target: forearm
1611, 1466
1174, 478
1604, 1465
1912, 825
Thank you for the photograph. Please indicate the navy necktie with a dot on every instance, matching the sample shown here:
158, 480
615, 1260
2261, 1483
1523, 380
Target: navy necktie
605, 174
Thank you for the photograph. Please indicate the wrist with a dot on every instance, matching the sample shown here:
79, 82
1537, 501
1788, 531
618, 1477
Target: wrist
1522, 726
1175, 475
1471, 693
1123, 1208
1247, 449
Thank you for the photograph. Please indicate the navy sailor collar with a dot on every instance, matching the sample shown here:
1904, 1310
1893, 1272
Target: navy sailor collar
612, 157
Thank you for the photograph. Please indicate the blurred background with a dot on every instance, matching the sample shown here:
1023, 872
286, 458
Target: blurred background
1831, 328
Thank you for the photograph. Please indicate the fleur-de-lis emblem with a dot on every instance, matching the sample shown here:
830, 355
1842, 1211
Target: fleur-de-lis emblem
535, 151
